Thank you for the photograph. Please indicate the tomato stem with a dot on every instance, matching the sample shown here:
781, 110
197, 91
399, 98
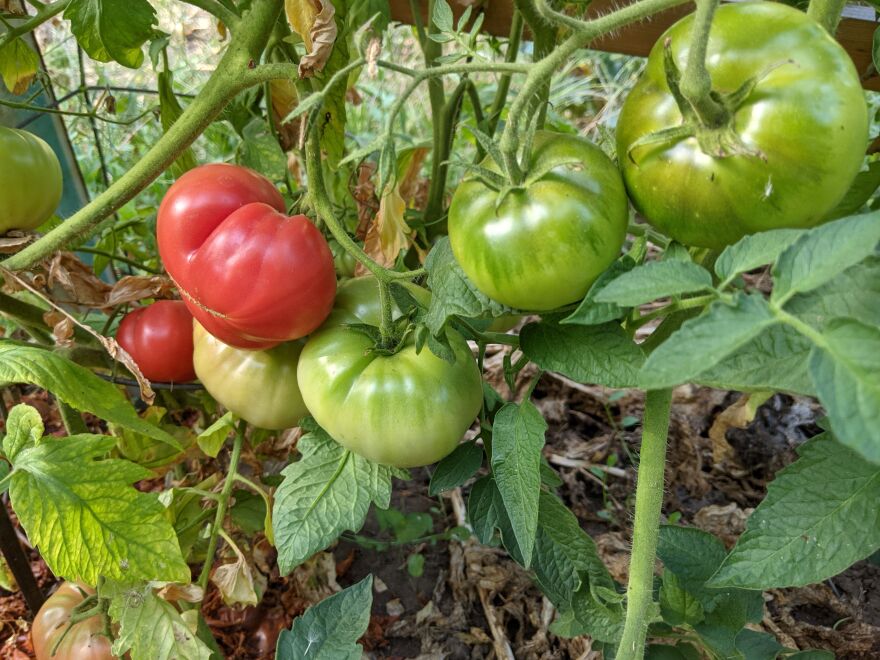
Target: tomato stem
696, 83
646, 526
223, 504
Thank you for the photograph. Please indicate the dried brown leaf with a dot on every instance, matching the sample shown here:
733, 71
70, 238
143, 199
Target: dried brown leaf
737, 416
77, 280
62, 328
314, 21
13, 241
13, 7
191, 593
132, 288
284, 101
238, 584
389, 234
374, 49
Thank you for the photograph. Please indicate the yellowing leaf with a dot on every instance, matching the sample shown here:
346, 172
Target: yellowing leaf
313, 20
18, 66
389, 234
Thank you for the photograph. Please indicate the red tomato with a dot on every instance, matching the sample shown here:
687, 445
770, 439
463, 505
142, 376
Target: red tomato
160, 339
252, 276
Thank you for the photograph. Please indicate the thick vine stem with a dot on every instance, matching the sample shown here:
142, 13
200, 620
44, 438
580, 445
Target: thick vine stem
45, 13
646, 526
541, 71
696, 83
226, 16
827, 13
222, 504
233, 74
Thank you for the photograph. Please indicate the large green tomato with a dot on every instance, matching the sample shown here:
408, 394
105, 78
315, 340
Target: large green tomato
31, 184
357, 301
405, 409
542, 245
258, 386
806, 116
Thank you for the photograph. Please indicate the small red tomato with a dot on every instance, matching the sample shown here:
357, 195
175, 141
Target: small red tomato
252, 276
160, 339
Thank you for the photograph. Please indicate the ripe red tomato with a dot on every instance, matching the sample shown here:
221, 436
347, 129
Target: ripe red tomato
252, 276
84, 641
160, 339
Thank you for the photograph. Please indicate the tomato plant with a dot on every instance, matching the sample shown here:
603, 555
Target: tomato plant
541, 246
258, 386
159, 338
251, 275
31, 187
770, 164
552, 239
83, 640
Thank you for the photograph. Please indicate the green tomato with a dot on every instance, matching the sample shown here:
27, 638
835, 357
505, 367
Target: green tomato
405, 409
344, 263
258, 386
541, 246
357, 301
31, 185
806, 116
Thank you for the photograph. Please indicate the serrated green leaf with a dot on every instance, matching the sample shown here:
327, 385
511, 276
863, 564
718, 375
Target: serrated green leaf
150, 627
590, 312
774, 360
753, 251
484, 502
756, 645
260, 151
846, 373
456, 468
330, 629
819, 517
653, 280
75, 385
169, 112
212, 438
677, 605
702, 342
112, 29
517, 440
67, 499
854, 293
453, 293
24, 426
326, 492
600, 354
823, 252
442, 16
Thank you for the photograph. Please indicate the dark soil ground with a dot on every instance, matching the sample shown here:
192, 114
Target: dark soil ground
471, 601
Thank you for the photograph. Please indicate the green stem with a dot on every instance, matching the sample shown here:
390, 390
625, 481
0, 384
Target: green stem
696, 83
322, 206
646, 526
540, 72
43, 15
510, 55
120, 259
222, 505
232, 75
446, 121
826, 13
386, 302
677, 306
440, 111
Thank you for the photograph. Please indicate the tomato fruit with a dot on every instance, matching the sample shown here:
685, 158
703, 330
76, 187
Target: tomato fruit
806, 115
541, 246
252, 276
258, 386
159, 338
31, 185
357, 301
83, 642
404, 409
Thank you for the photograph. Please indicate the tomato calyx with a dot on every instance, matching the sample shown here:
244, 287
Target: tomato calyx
90, 606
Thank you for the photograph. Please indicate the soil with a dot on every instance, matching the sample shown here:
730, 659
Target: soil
471, 601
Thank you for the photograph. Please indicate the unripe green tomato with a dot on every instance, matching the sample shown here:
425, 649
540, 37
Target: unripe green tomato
30, 180
806, 120
542, 245
344, 263
405, 409
258, 386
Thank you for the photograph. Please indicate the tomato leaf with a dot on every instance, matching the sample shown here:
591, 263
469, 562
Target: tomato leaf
863, 187
753, 251
677, 605
655, 279
74, 385
517, 440
327, 491
823, 252
704, 341
601, 354
260, 151
150, 627
331, 628
756, 645
212, 438
812, 524
774, 360
846, 373
169, 111
591, 312
65, 496
112, 29
456, 468
18, 66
